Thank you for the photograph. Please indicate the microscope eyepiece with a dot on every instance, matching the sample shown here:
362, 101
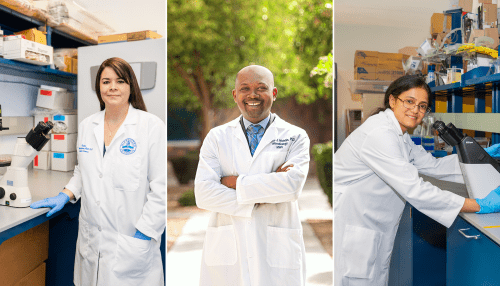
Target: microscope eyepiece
38, 136
449, 134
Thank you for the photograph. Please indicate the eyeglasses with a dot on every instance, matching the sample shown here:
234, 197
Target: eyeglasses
410, 104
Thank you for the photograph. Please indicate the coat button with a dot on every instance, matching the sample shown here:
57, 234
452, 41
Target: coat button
100, 175
98, 203
99, 228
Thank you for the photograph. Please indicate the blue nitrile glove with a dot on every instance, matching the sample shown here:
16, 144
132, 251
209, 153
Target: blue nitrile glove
491, 203
56, 203
141, 235
493, 151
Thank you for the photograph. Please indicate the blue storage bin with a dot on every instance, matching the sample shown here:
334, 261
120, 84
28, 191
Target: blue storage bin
439, 153
428, 147
416, 139
428, 140
477, 72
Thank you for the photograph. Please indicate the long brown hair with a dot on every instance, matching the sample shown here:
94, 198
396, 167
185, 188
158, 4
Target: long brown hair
403, 84
124, 71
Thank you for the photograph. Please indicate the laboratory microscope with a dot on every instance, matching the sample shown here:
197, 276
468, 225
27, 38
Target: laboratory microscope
14, 190
480, 171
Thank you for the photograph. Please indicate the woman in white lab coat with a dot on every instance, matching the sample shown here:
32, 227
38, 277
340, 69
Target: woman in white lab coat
120, 178
375, 171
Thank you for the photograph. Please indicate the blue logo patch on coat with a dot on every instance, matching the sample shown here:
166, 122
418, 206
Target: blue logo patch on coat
128, 146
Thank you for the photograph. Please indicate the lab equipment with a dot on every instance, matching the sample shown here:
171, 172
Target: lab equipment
14, 190
480, 171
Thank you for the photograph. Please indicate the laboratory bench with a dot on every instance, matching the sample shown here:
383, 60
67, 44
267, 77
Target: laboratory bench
427, 253
31, 243
52, 241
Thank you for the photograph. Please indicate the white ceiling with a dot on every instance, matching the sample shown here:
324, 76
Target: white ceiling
401, 13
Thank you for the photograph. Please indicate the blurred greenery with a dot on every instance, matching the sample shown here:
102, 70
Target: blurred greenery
323, 156
187, 199
209, 41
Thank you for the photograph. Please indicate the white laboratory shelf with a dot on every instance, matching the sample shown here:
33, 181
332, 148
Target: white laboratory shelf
486, 122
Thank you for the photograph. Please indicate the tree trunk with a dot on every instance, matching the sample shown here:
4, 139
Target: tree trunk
197, 84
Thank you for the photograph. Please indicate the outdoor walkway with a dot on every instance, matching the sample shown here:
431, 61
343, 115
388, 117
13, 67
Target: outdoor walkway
184, 258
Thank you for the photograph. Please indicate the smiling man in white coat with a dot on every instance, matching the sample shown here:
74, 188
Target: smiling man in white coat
250, 174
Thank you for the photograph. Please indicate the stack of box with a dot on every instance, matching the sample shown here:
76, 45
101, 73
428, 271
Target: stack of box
489, 16
63, 142
66, 60
60, 153
371, 65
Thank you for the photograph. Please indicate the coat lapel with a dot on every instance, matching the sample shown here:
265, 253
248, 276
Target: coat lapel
99, 132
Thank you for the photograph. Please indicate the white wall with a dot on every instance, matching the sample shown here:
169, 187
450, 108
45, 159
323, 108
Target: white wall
382, 37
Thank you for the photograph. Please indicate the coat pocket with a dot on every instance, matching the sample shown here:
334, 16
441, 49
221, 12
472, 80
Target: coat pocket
83, 238
359, 251
220, 246
127, 172
284, 247
133, 257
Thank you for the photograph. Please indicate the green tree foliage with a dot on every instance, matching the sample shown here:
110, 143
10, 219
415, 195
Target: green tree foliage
209, 41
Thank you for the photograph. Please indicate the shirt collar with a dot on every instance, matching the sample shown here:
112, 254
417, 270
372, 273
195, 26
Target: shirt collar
263, 123
390, 114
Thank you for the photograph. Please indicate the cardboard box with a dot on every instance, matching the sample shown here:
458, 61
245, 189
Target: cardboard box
492, 33
437, 23
27, 51
62, 161
63, 142
74, 66
388, 73
34, 278
34, 35
490, 14
70, 120
128, 37
489, 32
54, 98
68, 62
42, 160
23, 253
410, 51
466, 5
440, 37
365, 73
365, 59
484, 1
390, 57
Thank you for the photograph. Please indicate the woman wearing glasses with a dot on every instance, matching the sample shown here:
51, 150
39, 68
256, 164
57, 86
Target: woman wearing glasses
376, 171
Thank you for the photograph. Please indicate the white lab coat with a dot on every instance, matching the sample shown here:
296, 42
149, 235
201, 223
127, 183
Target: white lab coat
120, 193
375, 171
245, 243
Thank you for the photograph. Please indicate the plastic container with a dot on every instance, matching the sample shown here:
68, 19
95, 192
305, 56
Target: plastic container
477, 72
439, 153
431, 76
416, 139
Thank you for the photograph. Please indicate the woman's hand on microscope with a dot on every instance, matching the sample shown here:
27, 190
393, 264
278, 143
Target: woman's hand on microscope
493, 151
55, 203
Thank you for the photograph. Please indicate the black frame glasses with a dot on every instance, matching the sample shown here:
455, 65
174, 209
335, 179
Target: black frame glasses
405, 102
